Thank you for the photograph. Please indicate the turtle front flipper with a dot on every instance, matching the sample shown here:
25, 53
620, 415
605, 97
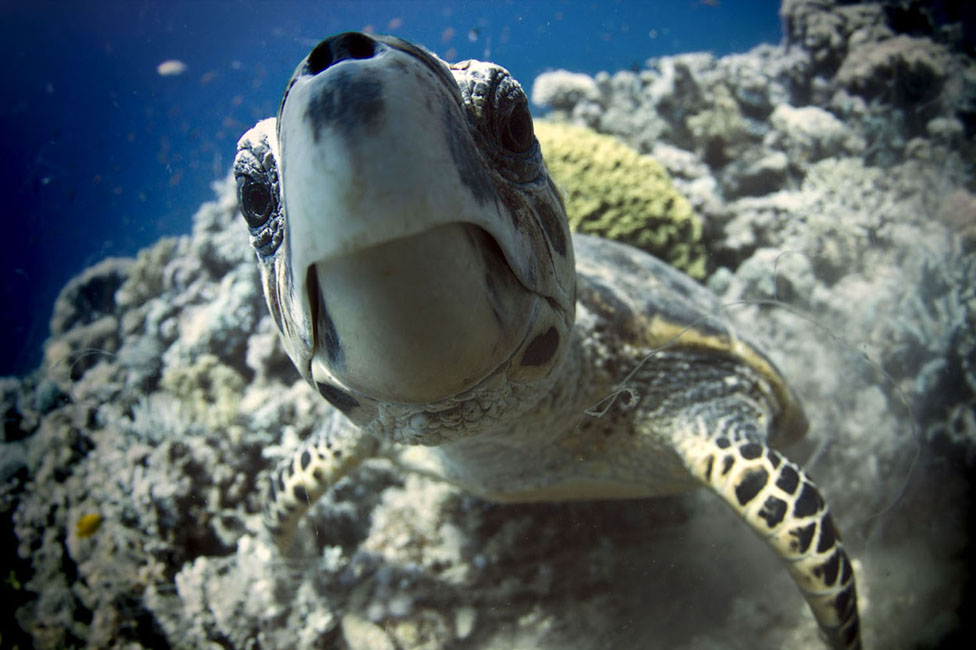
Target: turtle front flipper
298, 482
784, 507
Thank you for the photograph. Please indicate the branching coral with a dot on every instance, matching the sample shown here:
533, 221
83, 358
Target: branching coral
935, 340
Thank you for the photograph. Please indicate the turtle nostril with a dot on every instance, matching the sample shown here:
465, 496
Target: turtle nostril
348, 45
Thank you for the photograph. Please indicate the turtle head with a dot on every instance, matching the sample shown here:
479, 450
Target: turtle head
413, 249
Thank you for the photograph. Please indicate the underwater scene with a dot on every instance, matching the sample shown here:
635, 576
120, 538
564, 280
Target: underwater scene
490, 325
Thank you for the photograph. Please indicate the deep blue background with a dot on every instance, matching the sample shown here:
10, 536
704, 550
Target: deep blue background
101, 155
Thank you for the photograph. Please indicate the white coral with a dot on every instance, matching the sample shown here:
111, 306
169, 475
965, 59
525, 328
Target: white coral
562, 89
812, 132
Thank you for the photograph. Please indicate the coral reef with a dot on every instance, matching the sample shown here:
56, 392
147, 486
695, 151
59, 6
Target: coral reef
910, 69
563, 89
838, 219
614, 192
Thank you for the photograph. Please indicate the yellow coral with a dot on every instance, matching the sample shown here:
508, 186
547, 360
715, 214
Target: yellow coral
614, 192
208, 390
88, 525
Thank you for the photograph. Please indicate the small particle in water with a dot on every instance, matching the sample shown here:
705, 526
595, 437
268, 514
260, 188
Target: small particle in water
473, 34
394, 24
88, 525
171, 68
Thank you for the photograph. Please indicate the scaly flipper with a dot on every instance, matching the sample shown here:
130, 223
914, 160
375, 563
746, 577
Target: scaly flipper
783, 506
297, 483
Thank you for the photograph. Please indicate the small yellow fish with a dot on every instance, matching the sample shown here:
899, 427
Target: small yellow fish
88, 525
13, 582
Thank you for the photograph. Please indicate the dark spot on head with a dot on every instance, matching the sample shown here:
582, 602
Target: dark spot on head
750, 485
348, 102
491, 286
751, 450
708, 468
513, 203
542, 348
281, 481
300, 493
495, 267
788, 479
274, 306
317, 475
809, 502
773, 511
722, 442
774, 458
330, 338
803, 538
306, 459
321, 111
337, 398
552, 224
325, 330
466, 158
554, 191
828, 534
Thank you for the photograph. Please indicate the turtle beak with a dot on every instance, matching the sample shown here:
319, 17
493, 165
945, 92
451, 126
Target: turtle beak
394, 226
375, 147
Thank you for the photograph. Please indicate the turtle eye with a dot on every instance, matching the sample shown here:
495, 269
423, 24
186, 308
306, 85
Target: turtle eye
517, 133
254, 200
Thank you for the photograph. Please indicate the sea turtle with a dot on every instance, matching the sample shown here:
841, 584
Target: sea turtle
416, 260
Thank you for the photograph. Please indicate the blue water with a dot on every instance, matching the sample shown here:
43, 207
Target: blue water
103, 155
